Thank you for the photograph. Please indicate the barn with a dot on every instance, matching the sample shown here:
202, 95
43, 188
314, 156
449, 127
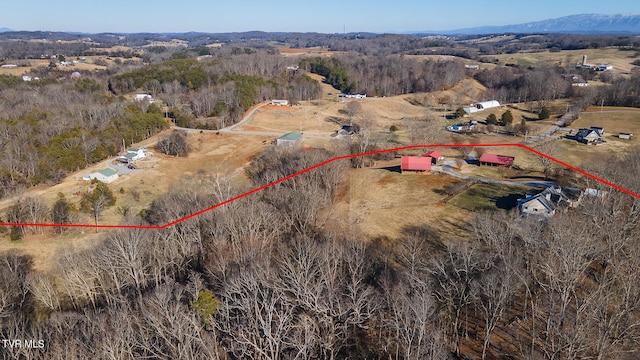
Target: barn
496, 160
435, 155
415, 164
289, 139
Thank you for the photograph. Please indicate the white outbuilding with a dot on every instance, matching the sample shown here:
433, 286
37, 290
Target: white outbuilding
481, 106
105, 175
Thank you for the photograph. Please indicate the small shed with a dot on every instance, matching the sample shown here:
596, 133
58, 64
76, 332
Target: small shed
625, 136
415, 163
435, 155
279, 102
496, 160
289, 139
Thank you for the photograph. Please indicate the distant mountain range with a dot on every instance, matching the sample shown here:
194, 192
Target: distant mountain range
5, 29
574, 24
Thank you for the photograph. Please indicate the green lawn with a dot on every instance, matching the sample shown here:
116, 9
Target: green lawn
489, 197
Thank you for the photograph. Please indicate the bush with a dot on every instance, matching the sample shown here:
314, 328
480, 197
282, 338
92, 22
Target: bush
492, 119
545, 113
459, 113
394, 128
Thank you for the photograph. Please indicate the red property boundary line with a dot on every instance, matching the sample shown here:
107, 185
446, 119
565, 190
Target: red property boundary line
612, 185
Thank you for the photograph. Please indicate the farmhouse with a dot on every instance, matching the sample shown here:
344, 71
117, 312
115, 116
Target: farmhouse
436, 156
132, 155
289, 139
419, 164
589, 136
105, 175
496, 160
548, 201
481, 106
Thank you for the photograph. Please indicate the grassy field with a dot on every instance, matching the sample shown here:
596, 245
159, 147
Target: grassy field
480, 197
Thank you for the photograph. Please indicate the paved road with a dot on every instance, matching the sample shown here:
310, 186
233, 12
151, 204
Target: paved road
447, 169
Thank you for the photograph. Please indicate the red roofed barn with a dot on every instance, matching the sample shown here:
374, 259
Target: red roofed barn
415, 163
435, 155
496, 160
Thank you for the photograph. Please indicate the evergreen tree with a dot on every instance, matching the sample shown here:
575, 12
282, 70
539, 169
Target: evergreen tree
545, 113
507, 117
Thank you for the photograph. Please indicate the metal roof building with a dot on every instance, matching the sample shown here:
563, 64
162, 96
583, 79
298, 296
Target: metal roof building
415, 163
496, 160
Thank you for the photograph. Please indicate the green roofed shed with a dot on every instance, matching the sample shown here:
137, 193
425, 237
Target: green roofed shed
289, 139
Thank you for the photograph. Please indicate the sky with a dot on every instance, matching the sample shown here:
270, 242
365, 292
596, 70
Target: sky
325, 16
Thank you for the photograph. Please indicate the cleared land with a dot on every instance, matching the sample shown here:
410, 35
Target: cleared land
226, 154
383, 202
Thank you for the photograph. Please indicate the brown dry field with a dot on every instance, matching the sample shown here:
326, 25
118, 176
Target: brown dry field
156, 175
383, 202
614, 120
620, 59
316, 116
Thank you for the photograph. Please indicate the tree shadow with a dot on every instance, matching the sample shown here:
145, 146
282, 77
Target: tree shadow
507, 202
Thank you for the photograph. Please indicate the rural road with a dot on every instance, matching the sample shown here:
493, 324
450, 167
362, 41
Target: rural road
231, 129
447, 169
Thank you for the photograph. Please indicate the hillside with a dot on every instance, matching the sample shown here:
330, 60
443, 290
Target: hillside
573, 24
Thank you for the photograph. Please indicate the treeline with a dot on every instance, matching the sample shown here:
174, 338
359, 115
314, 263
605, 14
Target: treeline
386, 75
47, 131
277, 276
223, 87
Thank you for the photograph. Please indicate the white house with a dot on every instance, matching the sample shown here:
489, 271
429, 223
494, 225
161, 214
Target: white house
105, 175
481, 106
355, 96
144, 97
132, 155
278, 102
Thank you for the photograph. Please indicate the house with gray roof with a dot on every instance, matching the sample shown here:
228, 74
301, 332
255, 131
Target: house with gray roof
546, 203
